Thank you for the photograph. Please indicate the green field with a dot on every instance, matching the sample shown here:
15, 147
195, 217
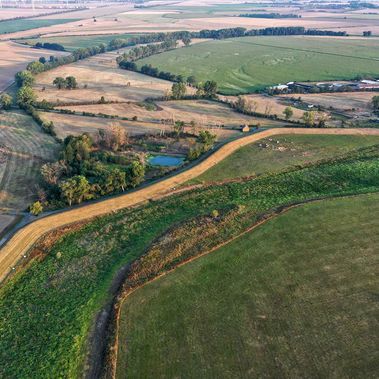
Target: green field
46, 310
71, 43
242, 65
288, 300
291, 150
12, 26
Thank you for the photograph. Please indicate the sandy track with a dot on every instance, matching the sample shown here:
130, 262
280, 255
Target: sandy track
24, 239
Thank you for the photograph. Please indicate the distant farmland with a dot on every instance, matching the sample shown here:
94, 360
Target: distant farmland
246, 64
75, 42
12, 26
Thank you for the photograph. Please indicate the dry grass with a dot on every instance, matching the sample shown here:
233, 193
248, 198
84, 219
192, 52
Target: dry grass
102, 78
15, 57
23, 149
66, 124
204, 113
269, 105
343, 102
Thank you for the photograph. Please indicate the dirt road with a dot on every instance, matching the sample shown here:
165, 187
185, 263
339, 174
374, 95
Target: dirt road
24, 239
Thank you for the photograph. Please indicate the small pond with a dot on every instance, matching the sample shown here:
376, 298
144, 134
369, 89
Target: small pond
165, 160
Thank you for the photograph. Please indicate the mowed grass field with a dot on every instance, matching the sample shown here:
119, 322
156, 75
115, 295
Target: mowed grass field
12, 26
246, 64
24, 148
270, 156
76, 273
292, 298
71, 43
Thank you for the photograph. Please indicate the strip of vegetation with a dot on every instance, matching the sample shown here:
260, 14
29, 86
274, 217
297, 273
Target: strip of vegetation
269, 15
68, 285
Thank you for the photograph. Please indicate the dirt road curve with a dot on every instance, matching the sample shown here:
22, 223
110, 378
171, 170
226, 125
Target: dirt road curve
24, 239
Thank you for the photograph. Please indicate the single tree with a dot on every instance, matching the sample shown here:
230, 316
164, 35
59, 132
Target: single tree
178, 90
178, 128
210, 88
25, 96
136, 173
191, 80
288, 113
52, 172
186, 41
207, 139
71, 82
36, 208
24, 78
6, 101
309, 118
60, 82
75, 189
375, 103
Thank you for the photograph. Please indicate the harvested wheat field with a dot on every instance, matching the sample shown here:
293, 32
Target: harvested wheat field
66, 124
202, 112
100, 77
15, 57
23, 149
270, 105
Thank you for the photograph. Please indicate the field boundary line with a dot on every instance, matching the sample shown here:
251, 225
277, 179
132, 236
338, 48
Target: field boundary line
20, 243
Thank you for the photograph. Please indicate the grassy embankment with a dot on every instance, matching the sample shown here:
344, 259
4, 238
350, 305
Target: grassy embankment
269, 156
47, 309
293, 298
241, 65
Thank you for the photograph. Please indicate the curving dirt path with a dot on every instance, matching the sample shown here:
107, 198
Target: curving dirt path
25, 238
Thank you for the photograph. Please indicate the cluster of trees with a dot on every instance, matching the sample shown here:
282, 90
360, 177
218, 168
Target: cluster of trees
270, 15
204, 90
312, 119
69, 83
49, 46
178, 89
292, 30
83, 173
27, 99
205, 141
6, 101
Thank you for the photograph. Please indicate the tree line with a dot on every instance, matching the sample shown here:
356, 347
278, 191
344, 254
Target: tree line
270, 15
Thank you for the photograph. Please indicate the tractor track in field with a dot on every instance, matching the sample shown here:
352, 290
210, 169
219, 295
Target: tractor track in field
24, 239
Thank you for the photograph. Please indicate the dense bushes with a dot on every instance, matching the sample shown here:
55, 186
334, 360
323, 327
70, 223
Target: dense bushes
85, 171
49, 46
